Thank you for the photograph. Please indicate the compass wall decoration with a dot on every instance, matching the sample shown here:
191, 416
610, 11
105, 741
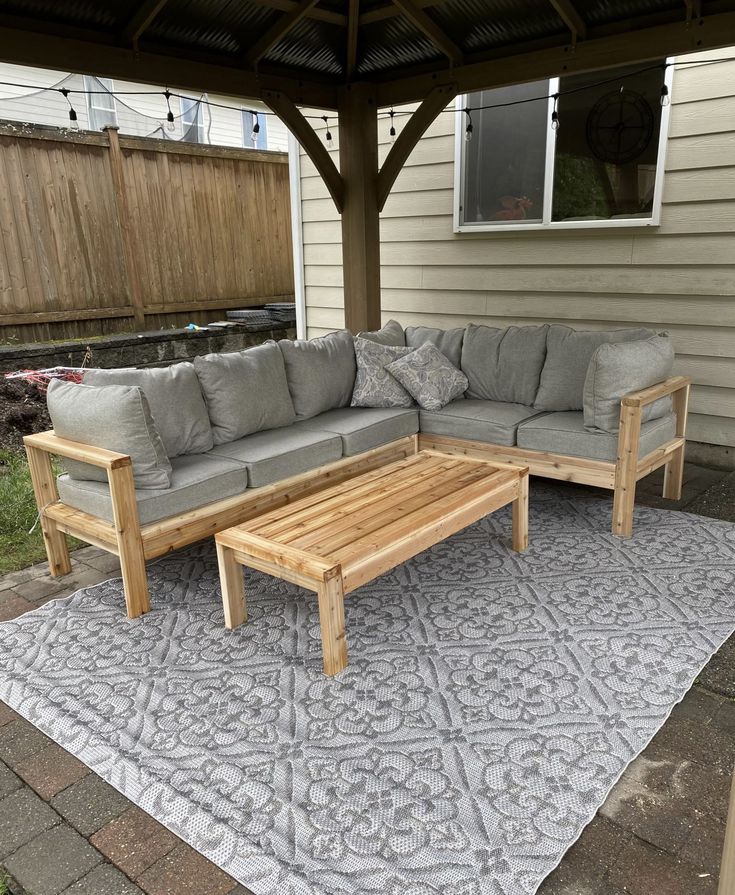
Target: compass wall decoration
620, 126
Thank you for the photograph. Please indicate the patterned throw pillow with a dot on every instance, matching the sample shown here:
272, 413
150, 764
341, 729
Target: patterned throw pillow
374, 387
429, 377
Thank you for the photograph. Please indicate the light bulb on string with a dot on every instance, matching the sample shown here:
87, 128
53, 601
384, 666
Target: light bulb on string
665, 98
170, 123
328, 136
73, 122
468, 128
555, 114
392, 131
256, 128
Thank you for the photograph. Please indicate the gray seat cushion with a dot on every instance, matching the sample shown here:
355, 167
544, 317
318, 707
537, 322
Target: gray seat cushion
196, 480
279, 453
492, 421
391, 334
448, 341
176, 402
568, 355
114, 417
364, 428
503, 364
246, 391
320, 372
564, 433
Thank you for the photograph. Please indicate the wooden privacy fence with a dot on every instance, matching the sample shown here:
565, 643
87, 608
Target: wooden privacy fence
104, 233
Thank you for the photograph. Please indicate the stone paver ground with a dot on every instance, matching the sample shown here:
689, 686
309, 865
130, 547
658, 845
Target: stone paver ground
64, 831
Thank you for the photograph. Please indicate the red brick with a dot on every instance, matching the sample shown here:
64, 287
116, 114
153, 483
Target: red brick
185, 872
51, 770
134, 841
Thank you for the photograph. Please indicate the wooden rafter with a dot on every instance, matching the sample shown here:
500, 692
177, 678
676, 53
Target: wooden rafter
318, 12
415, 128
390, 11
141, 19
353, 21
310, 142
571, 18
277, 31
429, 27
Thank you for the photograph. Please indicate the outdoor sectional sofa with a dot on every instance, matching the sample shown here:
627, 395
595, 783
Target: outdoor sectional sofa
160, 458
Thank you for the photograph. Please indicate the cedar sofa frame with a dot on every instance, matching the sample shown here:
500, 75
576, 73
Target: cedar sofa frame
135, 544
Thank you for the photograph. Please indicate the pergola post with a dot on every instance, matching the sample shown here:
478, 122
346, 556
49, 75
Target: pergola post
358, 153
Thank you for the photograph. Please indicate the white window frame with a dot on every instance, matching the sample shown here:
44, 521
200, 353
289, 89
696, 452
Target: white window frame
92, 82
198, 103
546, 223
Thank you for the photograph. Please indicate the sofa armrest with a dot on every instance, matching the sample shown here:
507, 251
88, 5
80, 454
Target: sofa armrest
75, 450
654, 392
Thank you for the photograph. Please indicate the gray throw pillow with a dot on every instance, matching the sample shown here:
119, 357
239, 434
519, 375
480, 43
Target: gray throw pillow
245, 391
429, 377
391, 334
616, 369
448, 341
374, 386
320, 372
113, 417
568, 355
175, 400
503, 364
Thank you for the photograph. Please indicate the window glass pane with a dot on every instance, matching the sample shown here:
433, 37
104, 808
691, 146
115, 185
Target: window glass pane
607, 146
505, 159
248, 122
192, 120
100, 103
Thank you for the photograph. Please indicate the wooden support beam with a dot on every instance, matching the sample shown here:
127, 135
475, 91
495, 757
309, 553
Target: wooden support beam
358, 152
323, 15
390, 11
571, 18
429, 27
727, 867
141, 19
435, 102
353, 20
310, 142
277, 31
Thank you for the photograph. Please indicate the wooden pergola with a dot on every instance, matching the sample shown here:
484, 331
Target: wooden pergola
352, 58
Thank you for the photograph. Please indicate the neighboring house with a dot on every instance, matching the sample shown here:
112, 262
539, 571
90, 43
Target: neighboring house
195, 119
593, 232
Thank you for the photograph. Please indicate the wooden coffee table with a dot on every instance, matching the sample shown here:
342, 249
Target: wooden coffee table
342, 537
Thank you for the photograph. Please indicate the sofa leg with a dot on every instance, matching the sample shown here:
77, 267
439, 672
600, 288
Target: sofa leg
129, 542
44, 488
674, 475
626, 470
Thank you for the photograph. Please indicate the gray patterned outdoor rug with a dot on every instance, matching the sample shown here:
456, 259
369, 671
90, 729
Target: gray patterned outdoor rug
491, 701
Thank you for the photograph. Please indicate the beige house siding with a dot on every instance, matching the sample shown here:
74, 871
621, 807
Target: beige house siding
679, 276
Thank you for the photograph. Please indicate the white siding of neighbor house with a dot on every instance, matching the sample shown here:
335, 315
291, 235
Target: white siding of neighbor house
140, 116
679, 276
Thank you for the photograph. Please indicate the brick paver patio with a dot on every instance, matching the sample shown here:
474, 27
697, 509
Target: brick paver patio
64, 831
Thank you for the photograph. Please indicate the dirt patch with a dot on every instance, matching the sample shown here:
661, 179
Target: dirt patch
22, 412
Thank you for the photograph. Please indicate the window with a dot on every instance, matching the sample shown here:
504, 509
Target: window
602, 167
192, 120
100, 102
249, 120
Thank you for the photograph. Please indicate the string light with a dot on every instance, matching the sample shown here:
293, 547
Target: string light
555, 114
72, 111
328, 135
170, 124
392, 131
468, 129
256, 127
665, 98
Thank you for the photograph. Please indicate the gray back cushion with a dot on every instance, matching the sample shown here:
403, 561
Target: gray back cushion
448, 341
616, 369
175, 400
114, 417
391, 334
245, 391
320, 372
568, 354
503, 364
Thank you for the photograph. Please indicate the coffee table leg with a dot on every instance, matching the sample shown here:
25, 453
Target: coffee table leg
332, 623
520, 515
233, 589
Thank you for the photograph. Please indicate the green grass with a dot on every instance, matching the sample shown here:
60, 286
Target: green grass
18, 548
4, 890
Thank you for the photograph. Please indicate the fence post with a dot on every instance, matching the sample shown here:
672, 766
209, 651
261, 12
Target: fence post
123, 215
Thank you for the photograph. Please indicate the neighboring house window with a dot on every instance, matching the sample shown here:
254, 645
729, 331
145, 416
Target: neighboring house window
257, 140
603, 166
192, 120
100, 102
